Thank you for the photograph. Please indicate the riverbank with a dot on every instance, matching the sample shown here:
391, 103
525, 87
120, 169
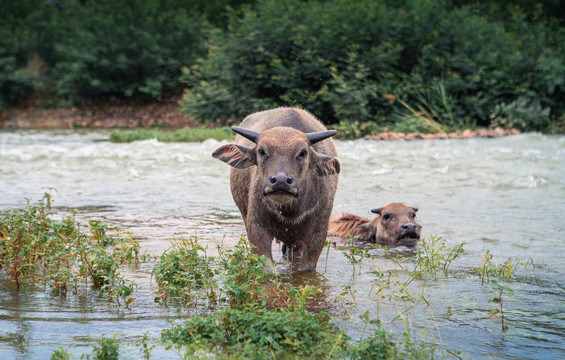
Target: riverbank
465, 134
160, 114
166, 115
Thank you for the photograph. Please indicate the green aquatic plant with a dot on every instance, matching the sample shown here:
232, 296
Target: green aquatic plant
63, 254
60, 354
107, 349
244, 275
489, 268
353, 254
146, 349
279, 332
388, 284
347, 290
435, 255
431, 256
498, 313
183, 271
265, 316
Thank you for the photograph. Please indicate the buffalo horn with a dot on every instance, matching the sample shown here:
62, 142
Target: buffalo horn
320, 135
246, 133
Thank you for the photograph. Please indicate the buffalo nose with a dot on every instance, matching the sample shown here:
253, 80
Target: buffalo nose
409, 227
281, 179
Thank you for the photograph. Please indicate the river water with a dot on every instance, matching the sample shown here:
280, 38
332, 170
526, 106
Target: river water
504, 195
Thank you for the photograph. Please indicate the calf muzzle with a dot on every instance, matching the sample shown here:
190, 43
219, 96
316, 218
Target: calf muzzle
409, 234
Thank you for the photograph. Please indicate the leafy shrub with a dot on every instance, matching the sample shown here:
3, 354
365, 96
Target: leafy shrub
280, 331
107, 349
132, 49
298, 56
521, 114
15, 50
343, 60
183, 269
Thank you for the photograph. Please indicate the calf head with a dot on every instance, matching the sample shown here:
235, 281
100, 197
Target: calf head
284, 157
397, 225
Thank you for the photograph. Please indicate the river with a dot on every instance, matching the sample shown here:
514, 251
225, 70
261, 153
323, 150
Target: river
505, 195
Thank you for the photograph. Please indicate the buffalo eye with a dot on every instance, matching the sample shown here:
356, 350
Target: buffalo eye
262, 153
387, 217
302, 155
413, 216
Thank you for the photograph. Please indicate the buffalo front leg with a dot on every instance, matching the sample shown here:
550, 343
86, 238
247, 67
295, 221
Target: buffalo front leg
261, 239
312, 249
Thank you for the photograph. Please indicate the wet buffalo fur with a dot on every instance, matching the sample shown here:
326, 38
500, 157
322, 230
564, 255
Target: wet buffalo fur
394, 224
284, 174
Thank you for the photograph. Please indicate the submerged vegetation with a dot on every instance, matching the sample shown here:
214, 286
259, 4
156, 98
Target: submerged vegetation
489, 268
184, 270
236, 308
65, 254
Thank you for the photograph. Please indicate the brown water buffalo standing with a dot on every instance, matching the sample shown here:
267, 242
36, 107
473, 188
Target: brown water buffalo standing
283, 180
394, 224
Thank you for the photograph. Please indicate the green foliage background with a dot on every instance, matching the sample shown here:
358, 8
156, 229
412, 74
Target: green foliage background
457, 63
338, 58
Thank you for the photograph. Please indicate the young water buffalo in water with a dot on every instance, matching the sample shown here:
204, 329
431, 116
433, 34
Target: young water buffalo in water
394, 224
283, 180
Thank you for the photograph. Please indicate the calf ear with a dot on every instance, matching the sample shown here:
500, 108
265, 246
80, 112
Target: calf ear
367, 232
240, 157
323, 164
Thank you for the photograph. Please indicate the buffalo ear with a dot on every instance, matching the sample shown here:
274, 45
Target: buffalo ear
323, 164
237, 156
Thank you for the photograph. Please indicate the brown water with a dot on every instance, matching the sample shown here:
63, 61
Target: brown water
506, 195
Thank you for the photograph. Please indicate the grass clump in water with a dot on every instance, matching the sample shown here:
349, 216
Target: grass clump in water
251, 325
489, 268
107, 348
434, 255
183, 271
34, 248
180, 135
264, 316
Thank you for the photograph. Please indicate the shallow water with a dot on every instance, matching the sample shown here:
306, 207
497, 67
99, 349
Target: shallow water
506, 195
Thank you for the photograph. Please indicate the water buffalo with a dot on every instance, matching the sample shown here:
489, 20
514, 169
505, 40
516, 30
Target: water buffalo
394, 224
283, 180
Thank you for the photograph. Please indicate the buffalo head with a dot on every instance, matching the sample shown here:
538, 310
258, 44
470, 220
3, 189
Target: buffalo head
284, 158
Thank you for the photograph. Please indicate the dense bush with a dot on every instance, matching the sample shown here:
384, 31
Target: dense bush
363, 64
339, 58
309, 54
92, 49
132, 49
15, 50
